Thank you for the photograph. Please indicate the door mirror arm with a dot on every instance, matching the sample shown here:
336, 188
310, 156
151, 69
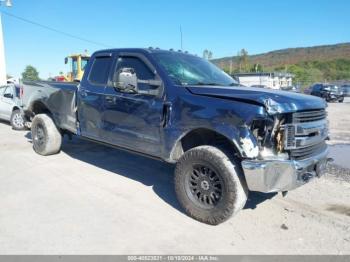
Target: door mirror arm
132, 90
127, 82
125, 89
150, 82
151, 92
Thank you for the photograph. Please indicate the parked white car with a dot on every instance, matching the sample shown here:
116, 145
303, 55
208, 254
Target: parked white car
10, 106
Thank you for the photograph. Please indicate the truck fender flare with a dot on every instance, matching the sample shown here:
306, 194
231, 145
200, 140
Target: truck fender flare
241, 139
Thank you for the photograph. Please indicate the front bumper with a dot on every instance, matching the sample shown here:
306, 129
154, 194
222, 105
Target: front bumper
283, 175
335, 97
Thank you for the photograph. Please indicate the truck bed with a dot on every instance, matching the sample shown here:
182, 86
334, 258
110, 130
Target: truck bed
58, 97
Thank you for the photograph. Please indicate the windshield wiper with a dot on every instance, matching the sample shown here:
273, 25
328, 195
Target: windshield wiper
214, 84
206, 84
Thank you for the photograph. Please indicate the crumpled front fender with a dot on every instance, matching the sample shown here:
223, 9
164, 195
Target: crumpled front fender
242, 138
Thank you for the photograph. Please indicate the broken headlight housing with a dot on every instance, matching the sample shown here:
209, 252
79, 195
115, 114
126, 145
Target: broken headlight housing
269, 135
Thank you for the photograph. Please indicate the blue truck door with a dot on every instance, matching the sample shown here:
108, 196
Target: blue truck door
91, 96
133, 120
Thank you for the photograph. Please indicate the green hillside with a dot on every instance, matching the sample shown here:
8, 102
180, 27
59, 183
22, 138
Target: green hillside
309, 64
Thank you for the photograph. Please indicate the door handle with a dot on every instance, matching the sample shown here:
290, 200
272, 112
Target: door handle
83, 93
166, 114
109, 99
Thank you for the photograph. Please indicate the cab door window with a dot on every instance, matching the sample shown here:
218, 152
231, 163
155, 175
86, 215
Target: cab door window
143, 72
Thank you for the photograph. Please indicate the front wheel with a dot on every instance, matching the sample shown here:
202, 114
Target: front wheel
46, 137
17, 120
209, 185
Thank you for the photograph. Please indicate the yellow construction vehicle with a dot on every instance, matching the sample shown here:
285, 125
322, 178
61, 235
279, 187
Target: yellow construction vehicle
77, 66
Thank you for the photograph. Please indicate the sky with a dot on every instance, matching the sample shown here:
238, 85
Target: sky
222, 26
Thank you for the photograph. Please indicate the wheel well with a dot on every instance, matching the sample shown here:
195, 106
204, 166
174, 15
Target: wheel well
200, 137
15, 108
40, 108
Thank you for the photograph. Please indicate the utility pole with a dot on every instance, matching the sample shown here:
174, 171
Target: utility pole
3, 78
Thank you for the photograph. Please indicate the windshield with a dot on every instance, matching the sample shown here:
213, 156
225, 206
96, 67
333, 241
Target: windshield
84, 61
332, 88
191, 70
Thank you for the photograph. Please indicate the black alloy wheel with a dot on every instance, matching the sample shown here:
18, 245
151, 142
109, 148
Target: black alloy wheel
204, 186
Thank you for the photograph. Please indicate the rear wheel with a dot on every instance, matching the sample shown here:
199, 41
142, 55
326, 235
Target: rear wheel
46, 137
17, 120
209, 185
341, 100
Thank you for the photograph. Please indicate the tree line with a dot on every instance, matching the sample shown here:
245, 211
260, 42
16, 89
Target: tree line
242, 64
305, 73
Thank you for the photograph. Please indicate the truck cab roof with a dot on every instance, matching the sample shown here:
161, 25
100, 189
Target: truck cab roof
149, 50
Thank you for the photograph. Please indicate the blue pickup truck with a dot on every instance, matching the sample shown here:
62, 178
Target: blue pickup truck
225, 139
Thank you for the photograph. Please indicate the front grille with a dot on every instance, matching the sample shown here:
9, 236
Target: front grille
309, 116
305, 136
307, 152
290, 136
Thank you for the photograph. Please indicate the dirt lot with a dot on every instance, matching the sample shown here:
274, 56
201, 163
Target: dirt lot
97, 200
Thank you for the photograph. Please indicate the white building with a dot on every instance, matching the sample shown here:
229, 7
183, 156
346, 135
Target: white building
270, 80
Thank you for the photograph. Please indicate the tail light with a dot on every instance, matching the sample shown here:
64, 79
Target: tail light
21, 91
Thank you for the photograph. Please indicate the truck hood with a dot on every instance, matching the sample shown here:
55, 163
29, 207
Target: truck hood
275, 101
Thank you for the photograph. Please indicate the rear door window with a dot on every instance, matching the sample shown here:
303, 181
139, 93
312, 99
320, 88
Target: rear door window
100, 70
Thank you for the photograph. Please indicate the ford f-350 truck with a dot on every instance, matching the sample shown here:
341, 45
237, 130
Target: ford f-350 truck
225, 139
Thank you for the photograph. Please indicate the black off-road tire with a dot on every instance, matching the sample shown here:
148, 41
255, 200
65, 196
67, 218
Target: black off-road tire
47, 139
234, 191
17, 120
341, 100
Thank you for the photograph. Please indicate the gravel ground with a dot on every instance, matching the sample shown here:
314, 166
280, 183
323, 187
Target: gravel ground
91, 199
339, 121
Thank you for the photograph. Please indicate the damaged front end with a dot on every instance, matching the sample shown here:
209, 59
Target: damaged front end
269, 135
291, 149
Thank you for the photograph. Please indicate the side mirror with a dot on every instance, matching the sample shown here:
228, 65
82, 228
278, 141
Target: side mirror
66, 60
8, 95
126, 80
